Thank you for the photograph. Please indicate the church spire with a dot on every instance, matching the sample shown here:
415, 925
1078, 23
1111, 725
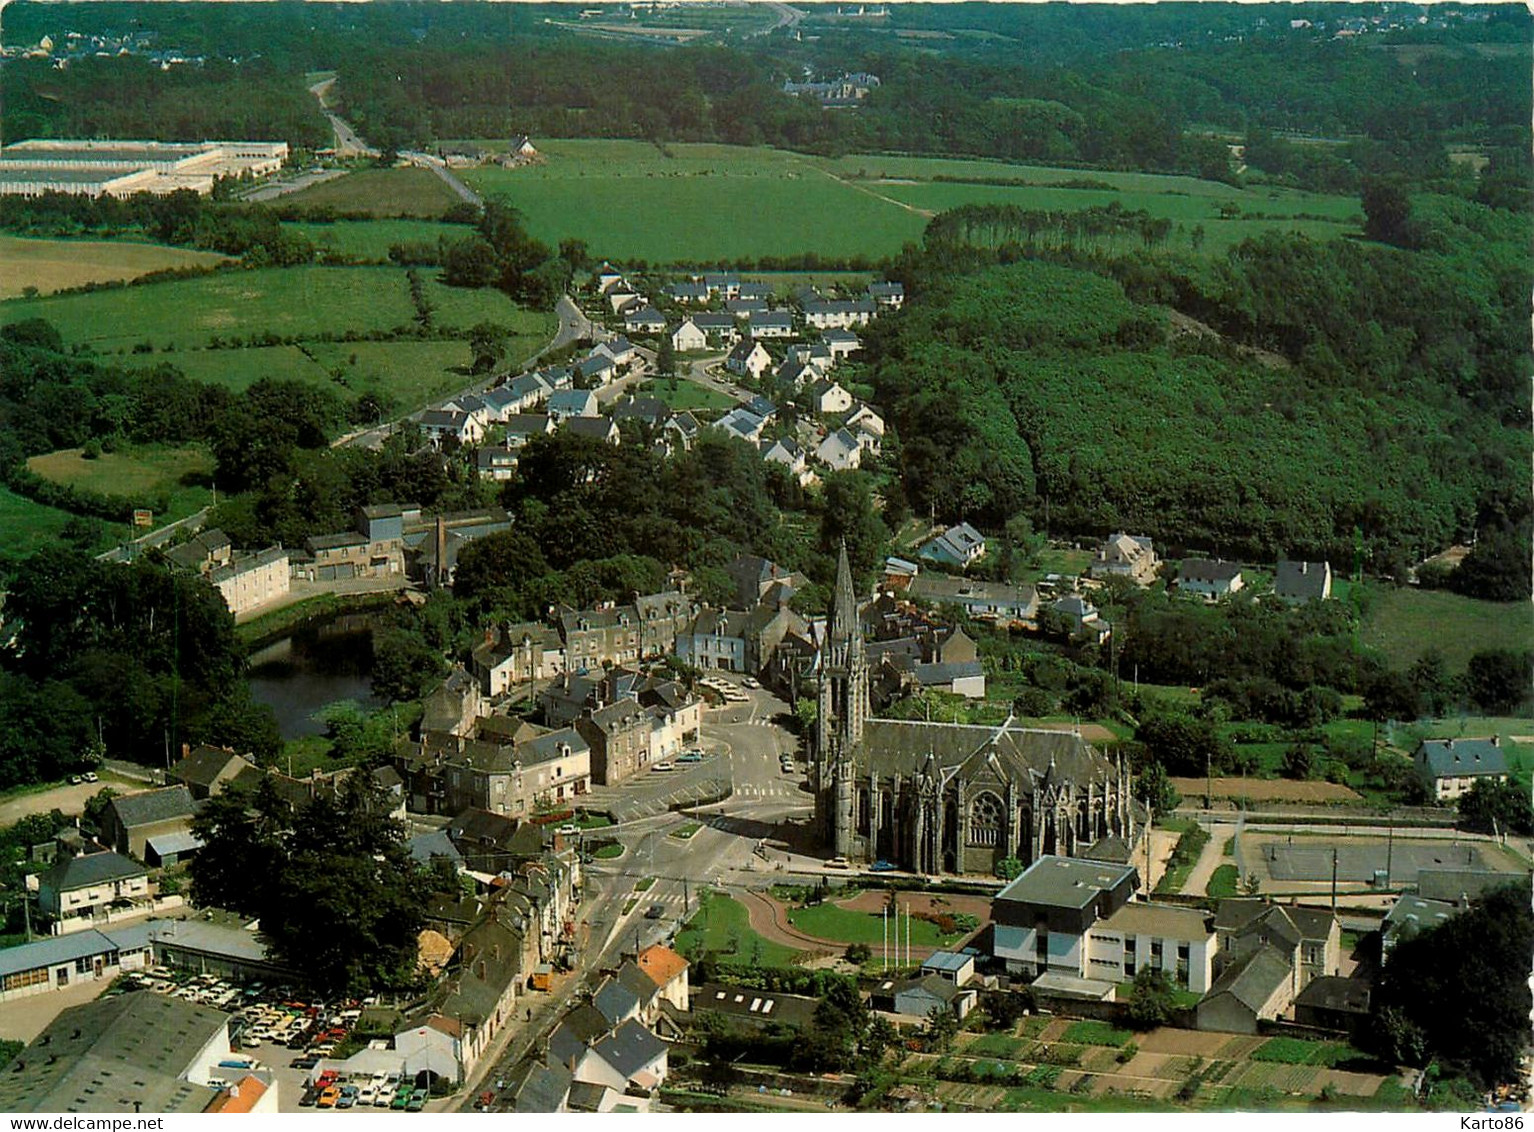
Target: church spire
844, 604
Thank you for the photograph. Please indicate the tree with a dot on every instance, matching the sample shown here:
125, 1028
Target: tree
848, 513
1387, 212
1009, 868
1155, 789
1150, 1000
404, 664
665, 356
1184, 745
1463, 987
1299, 762
1496, 807
1252, 885
487, 342
1498, 680
941, 1029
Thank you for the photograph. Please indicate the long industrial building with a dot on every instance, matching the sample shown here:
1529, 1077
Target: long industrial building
122, 168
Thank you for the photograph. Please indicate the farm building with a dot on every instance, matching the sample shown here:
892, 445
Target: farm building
122, 168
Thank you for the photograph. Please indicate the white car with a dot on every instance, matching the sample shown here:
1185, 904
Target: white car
751, 682
663, 766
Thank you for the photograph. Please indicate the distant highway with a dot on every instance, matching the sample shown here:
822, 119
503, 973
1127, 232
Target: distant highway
348, 144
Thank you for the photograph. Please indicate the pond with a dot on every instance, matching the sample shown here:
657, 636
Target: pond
313, 666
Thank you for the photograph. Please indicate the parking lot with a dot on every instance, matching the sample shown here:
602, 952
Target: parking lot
271, 1029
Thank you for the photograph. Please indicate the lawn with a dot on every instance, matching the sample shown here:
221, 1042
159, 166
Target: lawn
54, 265
722, 925
831, 922
1404, 622
683, 395
26, 527
380, 192
699, 203
370, 239
1096, 1034
187, 313
996, 1045
138, 473
1223, 881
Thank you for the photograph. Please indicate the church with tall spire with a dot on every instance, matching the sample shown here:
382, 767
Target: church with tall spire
948, 797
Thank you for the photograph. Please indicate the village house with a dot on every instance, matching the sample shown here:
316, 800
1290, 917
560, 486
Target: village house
839, 313
602, 429
742, 424
790, 454
1176, 940
133, 821
959, 546
749, 359
723, 284
890, 295
443, 424
841, 342
619, 349
770, 324
1081, 618
517, 654
678, 433
688, 293
688, 338
747, 308
595, 370
619, 739
982, 600
567, 403
205, 770
79, 890
1126, 556
827, 397
497, 464
1299, 582
1208, 579
840, 451
1450, 767
644, 320
514, 780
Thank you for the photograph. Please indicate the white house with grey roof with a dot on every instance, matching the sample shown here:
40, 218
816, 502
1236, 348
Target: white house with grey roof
566, 403
1411, 915
1179, 941
1210, 579
771, 324
840, 451
1450, 767
960, 545
1299, 582
79, 890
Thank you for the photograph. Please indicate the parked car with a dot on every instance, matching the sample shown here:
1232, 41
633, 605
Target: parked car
90, 776
311, 1094
690, 757
838, 863
662, 766
75, 780
751, 682
655, 911
329, 1097
883, 867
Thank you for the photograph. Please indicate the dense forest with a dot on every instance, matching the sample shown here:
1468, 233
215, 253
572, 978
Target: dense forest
1160, 88
1388, 415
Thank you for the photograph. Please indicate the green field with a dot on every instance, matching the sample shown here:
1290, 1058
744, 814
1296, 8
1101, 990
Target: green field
54, 265
27, 527
714, 203
136, 473
380, 192
722, 925
1406, 622
181, 318
187, 313
704, 203
1183, 208
239, 369
1222, 882
370, 239
461, 308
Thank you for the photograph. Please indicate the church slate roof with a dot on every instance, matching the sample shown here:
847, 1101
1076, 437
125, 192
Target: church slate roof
903, 746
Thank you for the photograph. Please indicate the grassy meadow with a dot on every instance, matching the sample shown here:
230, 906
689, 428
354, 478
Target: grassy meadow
1405, 622
707, 203
370, 239
183, 472
57, 265
380, 192
181, 319
703, 203
189, 313
27, 527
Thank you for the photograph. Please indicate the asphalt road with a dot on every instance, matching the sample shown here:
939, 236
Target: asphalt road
733, 843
